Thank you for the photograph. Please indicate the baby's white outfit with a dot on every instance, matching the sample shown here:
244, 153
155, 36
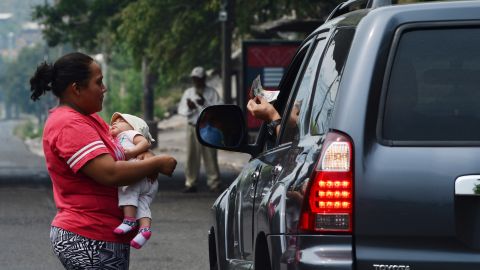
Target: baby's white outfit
140, 194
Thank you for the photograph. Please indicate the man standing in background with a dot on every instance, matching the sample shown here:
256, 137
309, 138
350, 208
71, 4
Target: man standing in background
194, 99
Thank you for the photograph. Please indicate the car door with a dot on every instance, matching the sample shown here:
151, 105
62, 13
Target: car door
281, 164
417, 200
246, 186
287, 168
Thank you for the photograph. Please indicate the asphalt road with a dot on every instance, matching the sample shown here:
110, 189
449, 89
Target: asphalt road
180, 221
179, 240
17, 163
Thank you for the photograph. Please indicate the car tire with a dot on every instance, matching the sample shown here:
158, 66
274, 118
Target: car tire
262, 256
212, 250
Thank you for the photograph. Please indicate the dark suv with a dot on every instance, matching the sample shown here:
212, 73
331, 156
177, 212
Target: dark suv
377, 163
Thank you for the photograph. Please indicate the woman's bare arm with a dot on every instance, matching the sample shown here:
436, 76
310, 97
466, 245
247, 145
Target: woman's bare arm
105, 170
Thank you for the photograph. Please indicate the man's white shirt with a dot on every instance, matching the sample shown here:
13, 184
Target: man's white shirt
210, 96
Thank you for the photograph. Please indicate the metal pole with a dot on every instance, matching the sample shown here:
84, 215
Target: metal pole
226, 17
149, 80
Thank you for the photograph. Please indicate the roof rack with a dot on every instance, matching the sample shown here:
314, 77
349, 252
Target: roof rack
351, 5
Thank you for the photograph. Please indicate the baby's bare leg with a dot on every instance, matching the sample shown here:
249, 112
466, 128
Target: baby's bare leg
129, 220
129, 211
145, 222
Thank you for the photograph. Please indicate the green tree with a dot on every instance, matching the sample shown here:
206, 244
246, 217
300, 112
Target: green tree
124, 87
84, 24
173, 34
92, 26
178, 34
14, 81
252, 12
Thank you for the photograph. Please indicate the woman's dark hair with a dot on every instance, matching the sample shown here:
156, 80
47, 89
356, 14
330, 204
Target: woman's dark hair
70, 68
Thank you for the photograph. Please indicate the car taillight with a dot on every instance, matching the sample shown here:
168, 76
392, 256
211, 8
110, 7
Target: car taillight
328, 203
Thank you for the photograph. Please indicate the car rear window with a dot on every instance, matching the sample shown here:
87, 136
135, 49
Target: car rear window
433, 91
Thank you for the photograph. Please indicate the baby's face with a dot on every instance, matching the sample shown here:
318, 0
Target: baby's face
118, 126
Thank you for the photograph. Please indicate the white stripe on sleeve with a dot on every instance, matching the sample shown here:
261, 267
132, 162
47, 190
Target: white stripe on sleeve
86, 153
85, 148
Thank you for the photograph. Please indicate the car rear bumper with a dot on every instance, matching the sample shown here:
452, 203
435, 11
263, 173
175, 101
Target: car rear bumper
311, 252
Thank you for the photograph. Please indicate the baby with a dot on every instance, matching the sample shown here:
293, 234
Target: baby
132, 133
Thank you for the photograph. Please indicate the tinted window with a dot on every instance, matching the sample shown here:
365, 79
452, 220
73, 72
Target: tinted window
297, 114
287, 84
328, 79
434, 87
290, 76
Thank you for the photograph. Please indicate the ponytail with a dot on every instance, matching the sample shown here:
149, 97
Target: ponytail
41, 81
68, 69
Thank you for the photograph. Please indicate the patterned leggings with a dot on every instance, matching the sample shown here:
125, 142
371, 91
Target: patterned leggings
76, 252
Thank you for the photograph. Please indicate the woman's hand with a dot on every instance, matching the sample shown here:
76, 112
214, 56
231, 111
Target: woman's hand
261, 109
168, 166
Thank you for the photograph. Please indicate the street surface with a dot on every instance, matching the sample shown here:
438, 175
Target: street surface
17, 163
180, 221
179, 240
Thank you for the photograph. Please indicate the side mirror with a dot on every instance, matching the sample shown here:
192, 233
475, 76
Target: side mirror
223, 127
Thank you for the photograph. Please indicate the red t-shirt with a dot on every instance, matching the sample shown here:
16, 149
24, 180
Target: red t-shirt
84, 206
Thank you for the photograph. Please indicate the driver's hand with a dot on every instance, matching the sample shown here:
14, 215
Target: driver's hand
261, 109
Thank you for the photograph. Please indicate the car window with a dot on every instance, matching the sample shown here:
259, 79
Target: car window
328, 80
295, 118
288, 80
287, 84
434, 87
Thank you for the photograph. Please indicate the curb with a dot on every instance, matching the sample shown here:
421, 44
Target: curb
24, 178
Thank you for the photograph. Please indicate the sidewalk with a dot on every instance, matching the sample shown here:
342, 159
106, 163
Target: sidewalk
172, 141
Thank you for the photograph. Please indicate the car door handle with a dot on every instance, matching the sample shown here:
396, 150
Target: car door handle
468, 185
